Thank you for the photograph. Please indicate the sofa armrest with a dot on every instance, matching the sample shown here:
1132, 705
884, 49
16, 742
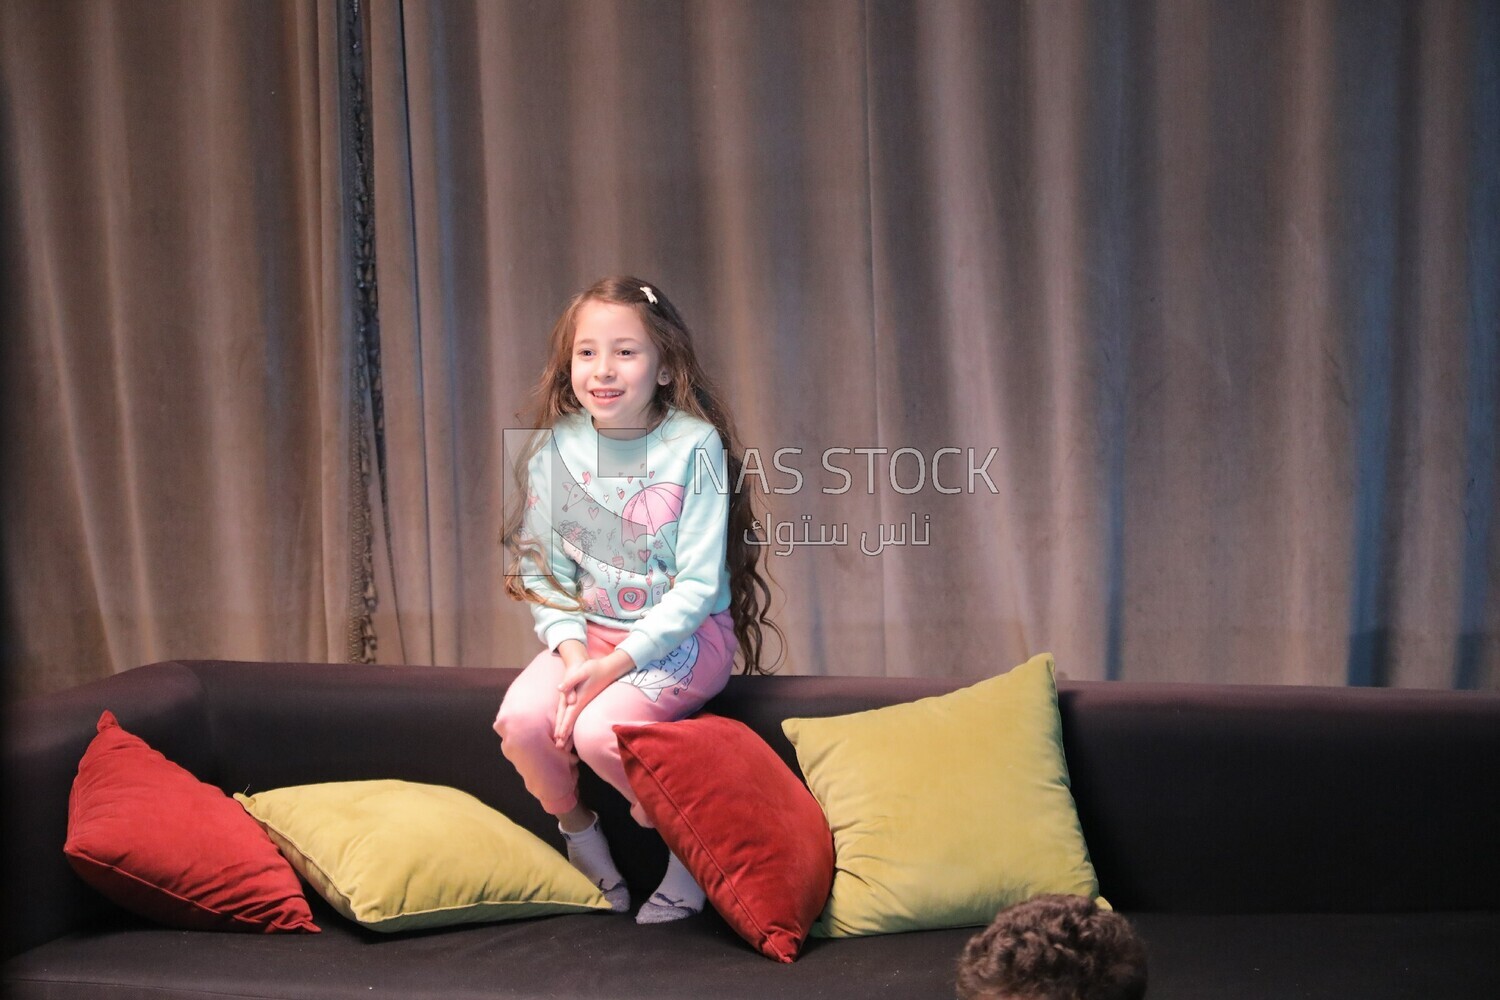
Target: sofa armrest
44, 739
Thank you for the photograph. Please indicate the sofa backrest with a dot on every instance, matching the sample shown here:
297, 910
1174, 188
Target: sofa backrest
1240, 799
1193, 798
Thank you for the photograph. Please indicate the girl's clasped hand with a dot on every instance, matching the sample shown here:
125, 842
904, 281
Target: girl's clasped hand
582, 681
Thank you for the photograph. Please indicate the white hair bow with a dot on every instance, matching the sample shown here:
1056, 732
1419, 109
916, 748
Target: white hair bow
649, 293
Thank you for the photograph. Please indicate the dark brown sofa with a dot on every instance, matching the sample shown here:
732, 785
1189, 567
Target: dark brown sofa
1267, 842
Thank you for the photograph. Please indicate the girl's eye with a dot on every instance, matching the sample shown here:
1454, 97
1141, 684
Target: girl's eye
627, 351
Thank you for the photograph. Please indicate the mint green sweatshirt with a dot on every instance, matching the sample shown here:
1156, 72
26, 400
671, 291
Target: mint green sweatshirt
638, 528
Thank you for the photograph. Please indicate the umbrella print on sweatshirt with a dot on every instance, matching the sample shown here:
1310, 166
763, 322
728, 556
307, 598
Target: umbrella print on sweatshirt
649, 512
615, 547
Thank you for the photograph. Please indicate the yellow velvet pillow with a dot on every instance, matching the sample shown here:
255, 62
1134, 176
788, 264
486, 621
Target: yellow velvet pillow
397, 856
947, 809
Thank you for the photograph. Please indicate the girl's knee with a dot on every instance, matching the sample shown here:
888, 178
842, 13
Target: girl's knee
594, 739
518, 727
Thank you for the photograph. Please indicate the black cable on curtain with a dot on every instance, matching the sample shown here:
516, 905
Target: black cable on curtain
367, 428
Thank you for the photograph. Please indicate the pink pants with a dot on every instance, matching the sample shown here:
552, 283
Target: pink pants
673, 687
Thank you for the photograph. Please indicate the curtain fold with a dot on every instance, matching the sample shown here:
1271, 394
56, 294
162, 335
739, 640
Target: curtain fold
178, 336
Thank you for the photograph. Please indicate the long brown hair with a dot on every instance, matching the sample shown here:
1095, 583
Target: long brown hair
690, 390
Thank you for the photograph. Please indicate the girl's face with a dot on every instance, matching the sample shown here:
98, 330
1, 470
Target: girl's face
616, 366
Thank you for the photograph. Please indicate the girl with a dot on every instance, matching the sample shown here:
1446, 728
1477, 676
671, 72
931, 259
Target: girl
628, 541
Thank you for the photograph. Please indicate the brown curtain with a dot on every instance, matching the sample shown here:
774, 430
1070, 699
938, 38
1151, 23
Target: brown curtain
1214, 281
179, 351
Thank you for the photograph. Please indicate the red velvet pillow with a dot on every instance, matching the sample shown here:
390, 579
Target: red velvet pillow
161, 843
741, 821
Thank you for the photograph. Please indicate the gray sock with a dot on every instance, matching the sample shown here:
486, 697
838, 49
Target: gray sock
588, 851
677, 897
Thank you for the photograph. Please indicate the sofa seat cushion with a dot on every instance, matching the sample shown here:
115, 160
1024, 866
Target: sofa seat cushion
1371, 956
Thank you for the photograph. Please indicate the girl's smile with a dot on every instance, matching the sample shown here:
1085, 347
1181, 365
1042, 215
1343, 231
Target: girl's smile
616, 366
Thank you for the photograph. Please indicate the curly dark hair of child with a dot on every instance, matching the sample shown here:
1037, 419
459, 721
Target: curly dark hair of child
690, 390
1054, 948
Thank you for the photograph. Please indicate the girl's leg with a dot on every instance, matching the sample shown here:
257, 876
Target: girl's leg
525, 722
671, 688
527, 714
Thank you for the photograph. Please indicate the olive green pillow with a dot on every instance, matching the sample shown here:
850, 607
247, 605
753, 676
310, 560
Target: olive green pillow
397, 856
947, 809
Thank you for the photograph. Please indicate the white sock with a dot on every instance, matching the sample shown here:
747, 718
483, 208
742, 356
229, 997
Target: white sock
677, 897
588, 851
